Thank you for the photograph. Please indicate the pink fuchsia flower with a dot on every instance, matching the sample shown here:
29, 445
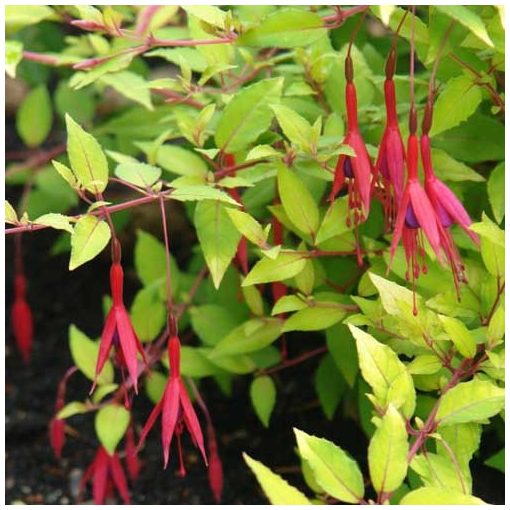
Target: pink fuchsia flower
106, 473
176, 411
118, 331
356, 171
389, 167
416, 219
449, 210
21, 319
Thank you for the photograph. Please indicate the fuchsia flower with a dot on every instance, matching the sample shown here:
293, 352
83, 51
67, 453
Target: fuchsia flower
416, 218
57, 435
21, 317
215, 468
356, 170
176, 410
448, 209
132, 462
389, 167
118, 331
106, 473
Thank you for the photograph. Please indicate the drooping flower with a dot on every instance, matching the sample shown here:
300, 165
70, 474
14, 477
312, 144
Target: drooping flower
106, 473
416, 219
242, 247
389, 167
448, 209
356, 171
118, 331
21, 318
57, 436
176, 411
215, 468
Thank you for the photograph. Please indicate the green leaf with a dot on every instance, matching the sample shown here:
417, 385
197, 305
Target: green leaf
286, 265
330, 385
180, 161
447, 113
385, 373
334, 222
10, 213
148, 314
247, 115
130, 85
424, 364
71, 409
150, 262
155, 386
320, 316
13, 56
285, 28
439, 471
111, 424
342, 347
467, 17
35, 117
194, 362
460, 336
492, 245
210, 14
394, 297
250, 336
88, 161
277, 490
387, 452
449, 169
56, 221
84, 353
263, 397
297, 201
102, 391
288, 304
139, 174
66, 173
470, 401
218, 237
337, 474
436, 496
205, 316
497, 461
295, 127
89, 238
496, 191
199, 193
19, 16
248, 226
496, 328
253, 299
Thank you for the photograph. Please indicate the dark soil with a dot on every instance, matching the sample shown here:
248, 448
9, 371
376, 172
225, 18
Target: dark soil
33, 475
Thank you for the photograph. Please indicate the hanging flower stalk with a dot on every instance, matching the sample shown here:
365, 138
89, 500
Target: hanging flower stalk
447, 206
355, 172
389, 166
175, 407
118, 331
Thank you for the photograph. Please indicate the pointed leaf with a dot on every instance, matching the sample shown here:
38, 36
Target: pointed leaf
286, 265
89, 238
36, 105
436, 496
111, 424
139, 174
56, 221
263, 397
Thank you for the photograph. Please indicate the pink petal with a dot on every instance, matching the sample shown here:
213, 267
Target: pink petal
100, 476
119, 479
191, 420
150, 423
339, 179
128, 342
170, 415
426, 216
106, 344
395, 160
362, 168
454, 207
399, 225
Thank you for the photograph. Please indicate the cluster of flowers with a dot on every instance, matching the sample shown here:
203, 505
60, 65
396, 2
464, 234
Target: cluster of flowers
413, 211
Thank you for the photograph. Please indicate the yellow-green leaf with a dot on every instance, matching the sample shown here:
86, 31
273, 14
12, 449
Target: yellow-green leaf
111, 424
89, 238
34, 117
263, 397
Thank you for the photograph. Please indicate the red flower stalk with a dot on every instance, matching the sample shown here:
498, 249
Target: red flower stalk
389, 167
21, 318
176, 411
119, 331
416, 218
132, 462
106, 473
357, 171
242, 247
215, 468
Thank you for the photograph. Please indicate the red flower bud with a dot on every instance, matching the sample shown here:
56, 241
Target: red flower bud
57, 436
21, 318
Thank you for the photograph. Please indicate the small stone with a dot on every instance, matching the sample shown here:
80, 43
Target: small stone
9, 482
